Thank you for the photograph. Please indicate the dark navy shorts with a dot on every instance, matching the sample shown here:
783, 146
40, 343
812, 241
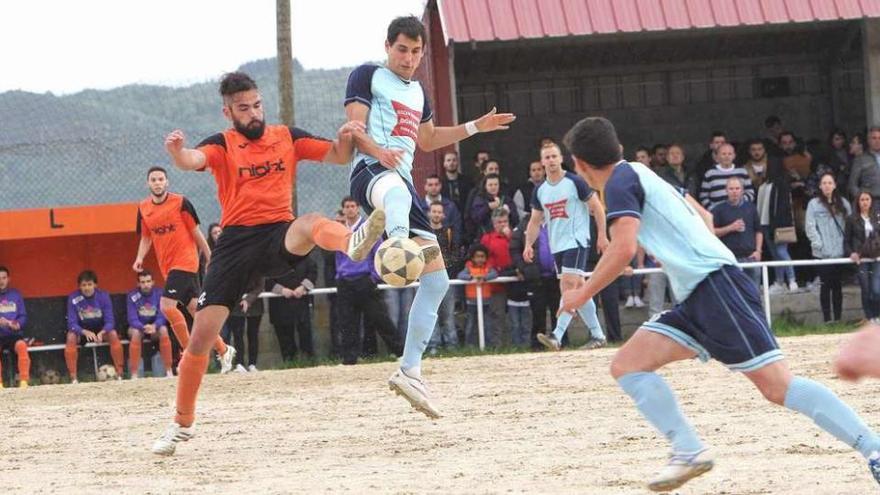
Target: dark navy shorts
364, 177
572, 260
723, 319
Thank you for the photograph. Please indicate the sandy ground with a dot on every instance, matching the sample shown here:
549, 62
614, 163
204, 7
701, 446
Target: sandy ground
534, 423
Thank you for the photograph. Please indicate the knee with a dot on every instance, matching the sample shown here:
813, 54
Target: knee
773, 391
111, 337
72, 338
166, 305
619, 367
134, 335
21, 349
163, 332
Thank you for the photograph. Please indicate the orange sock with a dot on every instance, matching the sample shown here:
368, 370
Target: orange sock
178, 325
220, 346
330, 235
24, 361
71, 353
190, 371
116, 353
165, 352
134, 356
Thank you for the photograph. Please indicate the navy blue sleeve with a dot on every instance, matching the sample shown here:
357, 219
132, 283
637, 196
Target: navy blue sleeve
189, 208
583, 189
359, 87
536, 202
624, 195
427, 112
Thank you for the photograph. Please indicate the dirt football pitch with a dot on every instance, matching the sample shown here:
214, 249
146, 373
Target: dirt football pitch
522, 423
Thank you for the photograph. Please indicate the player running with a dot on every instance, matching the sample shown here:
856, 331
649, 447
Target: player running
719, 314
254, 166
397, 116
169, 223
563, 201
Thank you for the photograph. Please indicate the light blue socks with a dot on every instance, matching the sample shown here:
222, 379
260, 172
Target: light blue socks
588, 314
398, 202
817, 402
423, 317
657, 403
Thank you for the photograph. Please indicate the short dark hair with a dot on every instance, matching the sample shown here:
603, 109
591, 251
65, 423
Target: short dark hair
479, 152
235, 82
4, 269
716, 134
432, 176
436, 203
787, 133
87, 276
643, 148
477, 247
594, 140
657, 147
157, 168
348, 199
485, 164
144, 273
409, 26
772, 120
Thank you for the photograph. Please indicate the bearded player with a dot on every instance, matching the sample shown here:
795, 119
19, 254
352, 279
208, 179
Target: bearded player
254, 167
397, 116
169, 223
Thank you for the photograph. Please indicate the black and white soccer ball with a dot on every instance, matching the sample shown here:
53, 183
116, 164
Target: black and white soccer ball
50, 377
399, 261
106, 372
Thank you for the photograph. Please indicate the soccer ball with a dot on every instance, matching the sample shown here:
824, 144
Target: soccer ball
399, 261
106, 372
50, 377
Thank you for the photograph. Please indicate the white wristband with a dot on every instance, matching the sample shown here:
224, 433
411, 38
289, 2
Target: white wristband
471, 128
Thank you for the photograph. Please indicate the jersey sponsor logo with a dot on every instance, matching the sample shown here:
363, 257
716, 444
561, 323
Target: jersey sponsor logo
7, 306
557, 209
407, 121
90, 313
261, 169
164, 229
172, 291
77, 299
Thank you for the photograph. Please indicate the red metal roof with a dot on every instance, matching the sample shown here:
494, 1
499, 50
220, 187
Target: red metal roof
501, 20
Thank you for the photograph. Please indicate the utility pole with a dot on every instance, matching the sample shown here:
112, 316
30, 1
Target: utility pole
285, 67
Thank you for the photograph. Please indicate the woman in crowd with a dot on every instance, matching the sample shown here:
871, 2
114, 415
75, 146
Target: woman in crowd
862, 240
824, 225
777, 222
487, 201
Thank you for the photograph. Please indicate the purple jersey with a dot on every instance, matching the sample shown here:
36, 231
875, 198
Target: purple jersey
93, 313
143, 309
12, 308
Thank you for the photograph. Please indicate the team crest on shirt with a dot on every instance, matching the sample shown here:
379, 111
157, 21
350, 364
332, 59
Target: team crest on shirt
557, 209
8, 306
407, 121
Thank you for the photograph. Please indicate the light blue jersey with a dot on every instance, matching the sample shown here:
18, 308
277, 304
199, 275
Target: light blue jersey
566, 215
671, 230
397, 108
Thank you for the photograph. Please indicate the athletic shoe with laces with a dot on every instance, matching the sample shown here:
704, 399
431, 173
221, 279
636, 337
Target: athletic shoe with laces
167, 443
415, 391
226, 360
680, 469
361, 241
594, 344
169, 374
874, 465
252, 368
239, 368
638, 302
549, 341
630, 302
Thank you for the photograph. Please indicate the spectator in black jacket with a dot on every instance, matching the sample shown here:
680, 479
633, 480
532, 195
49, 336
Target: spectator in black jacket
862, 240
291, 314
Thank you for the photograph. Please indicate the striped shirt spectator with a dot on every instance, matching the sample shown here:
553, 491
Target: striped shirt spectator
713, 189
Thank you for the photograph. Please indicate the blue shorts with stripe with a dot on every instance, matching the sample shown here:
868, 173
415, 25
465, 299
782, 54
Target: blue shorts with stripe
722, 319
572, 260
365, 175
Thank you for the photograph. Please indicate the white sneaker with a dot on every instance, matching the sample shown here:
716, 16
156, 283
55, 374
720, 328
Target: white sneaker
414, 390
74, 381
361, 241
638, 302
777, 288
630, 302
226, 360
549, 341
134, 376
169, 374
681, 468
167, 443
252, 369
793, 286
240, 369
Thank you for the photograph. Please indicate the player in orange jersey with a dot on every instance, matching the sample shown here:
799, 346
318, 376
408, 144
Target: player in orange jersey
169, 223
254, 166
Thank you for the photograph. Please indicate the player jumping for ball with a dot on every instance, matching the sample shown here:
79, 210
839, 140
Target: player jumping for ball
719, 314
397, 115
169, 223
254, 166
565, 202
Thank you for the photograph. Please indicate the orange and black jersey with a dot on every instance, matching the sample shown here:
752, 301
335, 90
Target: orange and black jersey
255, 179
169, 225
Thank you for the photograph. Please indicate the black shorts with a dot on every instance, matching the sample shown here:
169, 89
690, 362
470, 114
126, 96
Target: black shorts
243, 256
364, 176
8, 341
181, 286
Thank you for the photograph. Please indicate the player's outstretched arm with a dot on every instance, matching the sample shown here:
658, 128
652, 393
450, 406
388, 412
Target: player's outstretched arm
358, 112
343, 147
623, 246
432, 137
182, 157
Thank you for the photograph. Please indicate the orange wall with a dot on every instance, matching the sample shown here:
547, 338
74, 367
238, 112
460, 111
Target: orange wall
67, 221
45, 267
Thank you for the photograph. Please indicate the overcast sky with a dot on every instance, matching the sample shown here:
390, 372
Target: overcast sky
66, 46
